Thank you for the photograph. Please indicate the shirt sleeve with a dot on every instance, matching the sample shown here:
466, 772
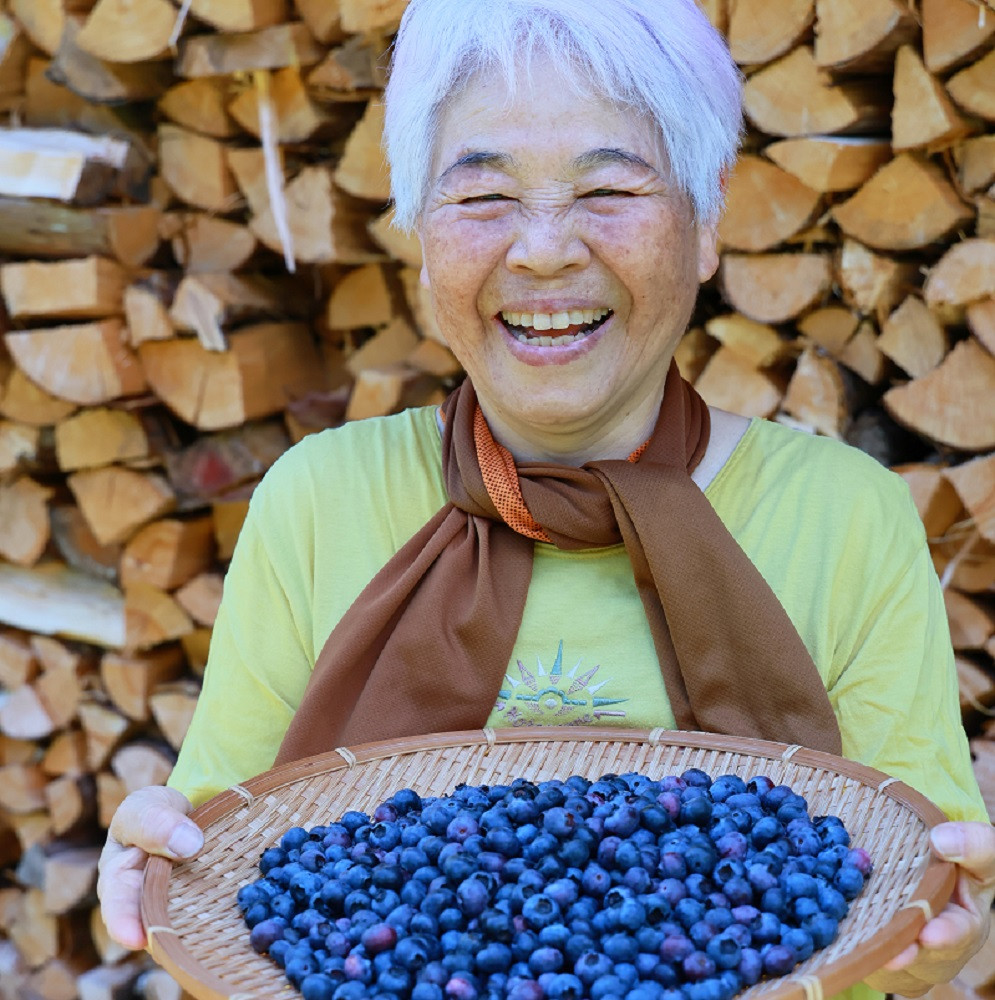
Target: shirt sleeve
896, 695
260, 657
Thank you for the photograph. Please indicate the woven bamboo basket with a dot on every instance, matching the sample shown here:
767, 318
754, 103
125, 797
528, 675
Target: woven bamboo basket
196, 932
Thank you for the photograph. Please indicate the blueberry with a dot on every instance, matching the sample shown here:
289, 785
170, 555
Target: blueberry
676, 948
779, 960
623, 821
545, 959
293, 838
592, 965
596, 881
565, 986
695, 777
799, 941
299, 968
724, 951
698, 966
849, 881
607, 986
520, 989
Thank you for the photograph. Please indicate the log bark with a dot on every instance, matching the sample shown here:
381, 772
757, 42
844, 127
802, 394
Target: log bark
275, 47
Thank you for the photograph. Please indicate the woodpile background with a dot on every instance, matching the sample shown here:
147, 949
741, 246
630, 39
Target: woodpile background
197, 269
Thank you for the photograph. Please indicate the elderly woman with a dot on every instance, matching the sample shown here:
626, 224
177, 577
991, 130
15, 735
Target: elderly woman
575, 537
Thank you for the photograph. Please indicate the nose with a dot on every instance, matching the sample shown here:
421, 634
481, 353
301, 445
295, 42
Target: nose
547, 243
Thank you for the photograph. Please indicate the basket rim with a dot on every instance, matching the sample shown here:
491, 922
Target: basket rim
932, 892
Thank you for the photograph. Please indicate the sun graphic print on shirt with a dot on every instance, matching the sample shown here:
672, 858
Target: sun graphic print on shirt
539, 698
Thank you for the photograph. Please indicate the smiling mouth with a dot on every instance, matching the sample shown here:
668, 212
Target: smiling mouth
554, 329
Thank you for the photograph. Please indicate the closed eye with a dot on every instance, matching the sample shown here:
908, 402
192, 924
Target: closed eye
606, 193
477, 198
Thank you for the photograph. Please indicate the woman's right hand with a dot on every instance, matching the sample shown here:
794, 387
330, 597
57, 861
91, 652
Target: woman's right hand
150, 821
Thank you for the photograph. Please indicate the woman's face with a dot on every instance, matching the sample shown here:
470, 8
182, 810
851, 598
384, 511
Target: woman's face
562, 260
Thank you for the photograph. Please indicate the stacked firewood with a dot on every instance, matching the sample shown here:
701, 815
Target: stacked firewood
197, 269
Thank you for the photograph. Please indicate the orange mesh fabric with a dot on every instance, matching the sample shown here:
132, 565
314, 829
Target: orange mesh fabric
497, 466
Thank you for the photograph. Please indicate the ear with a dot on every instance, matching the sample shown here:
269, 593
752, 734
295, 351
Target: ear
708, 250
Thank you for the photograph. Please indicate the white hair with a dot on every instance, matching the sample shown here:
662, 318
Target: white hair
660, 57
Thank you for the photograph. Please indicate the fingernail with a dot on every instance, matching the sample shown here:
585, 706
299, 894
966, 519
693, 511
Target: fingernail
186, 840
949, 842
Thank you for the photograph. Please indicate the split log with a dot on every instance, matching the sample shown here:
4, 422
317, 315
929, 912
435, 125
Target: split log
349, 72
923, 114
392, 345
105, 82
730, 382
297, 117
91, 288
158, 984
130, 679
23, 716
361, 298
74, 540
765, 205
196, 169
99, 436
366, 16
363, 169
66, 755
965, 274
201, 106
827, 164
61, 165
110, 794
327, 226
861, 35
228, 516
760, 32
981, 320
974, 88
15, 51
108, 949
21, 400
86, 363
17, 660
200, 597
323, 19
951, 404
105, 729
143, 763
871, 282
975, 159
907, 204
35, 932
129, 233
22, 788
913, 338
70, 879
378, 391
758, 344
19, 445
773, 288
275, 47
219, 465
974, 482
795, 97
196, 646
71, 802
830, 328
971, 625
146, 308
152, 617
248, 167
399, 245
43, 21
52, 599
109, 982
816, 395
128, 31
168, 553
204, 243
24, 524
264, 367
116, 501
952, 32
241, 15
431, 357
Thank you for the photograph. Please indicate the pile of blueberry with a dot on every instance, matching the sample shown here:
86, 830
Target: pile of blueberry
625, 888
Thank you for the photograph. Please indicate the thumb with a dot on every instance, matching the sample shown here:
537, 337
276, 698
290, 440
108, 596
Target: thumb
969, 845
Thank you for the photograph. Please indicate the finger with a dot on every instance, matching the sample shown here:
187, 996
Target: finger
155, 820
901, 982
904, 958
952, 932
970, 845
119, 888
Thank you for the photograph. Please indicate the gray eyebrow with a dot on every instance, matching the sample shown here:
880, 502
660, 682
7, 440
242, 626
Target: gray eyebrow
605, 156
498, 161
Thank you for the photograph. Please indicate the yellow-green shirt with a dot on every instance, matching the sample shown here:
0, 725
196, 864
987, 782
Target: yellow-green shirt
834, 534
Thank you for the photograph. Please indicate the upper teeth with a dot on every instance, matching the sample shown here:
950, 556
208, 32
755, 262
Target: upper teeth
555, 321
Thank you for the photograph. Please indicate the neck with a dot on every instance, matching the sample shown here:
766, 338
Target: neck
577, 445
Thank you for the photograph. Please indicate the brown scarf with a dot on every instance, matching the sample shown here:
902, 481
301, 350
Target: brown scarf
425, 647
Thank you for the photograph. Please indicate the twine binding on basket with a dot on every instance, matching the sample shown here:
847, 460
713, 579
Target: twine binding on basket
156, 929
790, 752
812, 985
490, 736
887, 781
243, 792
347, 755
655, 736
923, 905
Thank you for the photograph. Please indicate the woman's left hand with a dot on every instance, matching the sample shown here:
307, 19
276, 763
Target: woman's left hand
947, 941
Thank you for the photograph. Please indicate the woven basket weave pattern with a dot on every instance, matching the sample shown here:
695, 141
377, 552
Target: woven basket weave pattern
210, 943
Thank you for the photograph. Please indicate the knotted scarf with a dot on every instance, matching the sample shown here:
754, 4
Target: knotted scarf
425, 646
